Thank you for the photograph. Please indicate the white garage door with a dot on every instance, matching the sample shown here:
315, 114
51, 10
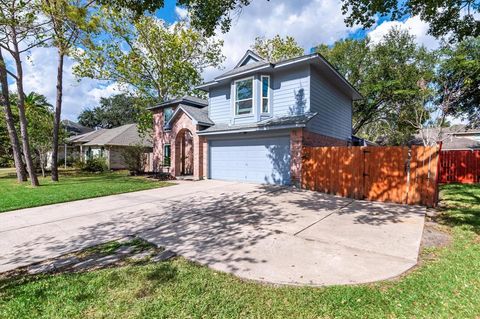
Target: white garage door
259, 160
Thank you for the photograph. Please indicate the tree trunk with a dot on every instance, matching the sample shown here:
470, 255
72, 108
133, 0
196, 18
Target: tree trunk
23, 118
12, 131
58, 113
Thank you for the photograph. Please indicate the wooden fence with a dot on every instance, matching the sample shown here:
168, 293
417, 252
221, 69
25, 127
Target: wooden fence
391, 174
460, 167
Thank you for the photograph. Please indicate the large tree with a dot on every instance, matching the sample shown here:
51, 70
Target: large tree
114, 111
458, 80
277, 48
389, 74
70, 23
154, 60
21, 29
149, 58
455, 18
13, 142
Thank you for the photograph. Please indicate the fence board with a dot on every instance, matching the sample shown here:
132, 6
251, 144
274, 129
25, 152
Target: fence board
390, 174
460, 166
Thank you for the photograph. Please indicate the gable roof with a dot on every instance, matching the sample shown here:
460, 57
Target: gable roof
198, 115
124, 135
84, 138
74, 128
249, 55
187, 100
314, 59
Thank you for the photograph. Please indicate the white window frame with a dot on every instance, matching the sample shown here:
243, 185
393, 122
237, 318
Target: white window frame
252, 112
268, 94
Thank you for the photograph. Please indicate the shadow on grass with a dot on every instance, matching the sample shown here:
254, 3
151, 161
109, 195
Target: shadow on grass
460, 206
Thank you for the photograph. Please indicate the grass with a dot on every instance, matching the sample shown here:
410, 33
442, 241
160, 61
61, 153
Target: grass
72, 186
446, 285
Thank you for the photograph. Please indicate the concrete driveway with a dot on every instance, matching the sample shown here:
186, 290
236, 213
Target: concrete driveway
265, 233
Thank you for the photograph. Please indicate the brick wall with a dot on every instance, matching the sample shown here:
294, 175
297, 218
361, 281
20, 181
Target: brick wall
180, 124
301, 137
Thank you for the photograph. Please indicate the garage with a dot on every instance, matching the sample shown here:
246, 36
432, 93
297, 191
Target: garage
263, 160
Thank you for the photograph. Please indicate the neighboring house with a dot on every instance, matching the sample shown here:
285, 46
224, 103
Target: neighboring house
257, 118
109, 143
455, 137
71, 129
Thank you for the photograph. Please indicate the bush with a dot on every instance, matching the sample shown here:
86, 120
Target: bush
133, 156
96, 164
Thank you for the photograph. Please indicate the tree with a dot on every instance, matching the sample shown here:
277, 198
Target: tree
114, 111
458, 80
21, 29
277, 48
40, 117
455, 18
388, 75
205, 15
148, 57
14, 143
70, 23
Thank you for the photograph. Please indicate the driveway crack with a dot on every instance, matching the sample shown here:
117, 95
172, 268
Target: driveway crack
324, 217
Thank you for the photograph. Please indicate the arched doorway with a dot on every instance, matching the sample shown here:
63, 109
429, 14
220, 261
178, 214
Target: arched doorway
184, 152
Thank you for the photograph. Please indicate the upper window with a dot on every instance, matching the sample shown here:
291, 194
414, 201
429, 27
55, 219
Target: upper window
167, 114
244, 96
265, 93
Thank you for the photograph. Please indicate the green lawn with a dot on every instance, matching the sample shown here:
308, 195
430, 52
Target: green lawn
447, 285
72, 186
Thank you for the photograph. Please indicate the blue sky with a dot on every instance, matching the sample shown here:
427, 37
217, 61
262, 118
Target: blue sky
310, 22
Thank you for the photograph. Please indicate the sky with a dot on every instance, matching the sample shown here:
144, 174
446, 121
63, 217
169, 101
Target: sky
310, 22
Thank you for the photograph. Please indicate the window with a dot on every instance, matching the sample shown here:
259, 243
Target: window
244, 96
265, 93
166, 155
167, 114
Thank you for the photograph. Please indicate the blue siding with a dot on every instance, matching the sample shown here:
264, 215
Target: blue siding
333, 107
219, 109
288, 86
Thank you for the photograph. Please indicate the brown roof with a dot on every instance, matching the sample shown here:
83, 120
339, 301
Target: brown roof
120, 136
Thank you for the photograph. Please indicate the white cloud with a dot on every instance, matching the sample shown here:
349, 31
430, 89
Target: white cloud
310, 22
182, 13
414, 25
40, 71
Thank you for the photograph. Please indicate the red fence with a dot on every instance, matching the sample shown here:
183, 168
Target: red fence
460, 167
388, 174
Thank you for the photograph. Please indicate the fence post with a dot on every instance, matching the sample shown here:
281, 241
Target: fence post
437, 177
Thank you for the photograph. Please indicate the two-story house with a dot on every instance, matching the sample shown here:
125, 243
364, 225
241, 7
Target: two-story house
257, 118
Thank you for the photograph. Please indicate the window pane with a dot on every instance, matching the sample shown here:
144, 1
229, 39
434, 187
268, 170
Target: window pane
244, 89
265, 85
166, 155
265, 105
168, 112
244, 107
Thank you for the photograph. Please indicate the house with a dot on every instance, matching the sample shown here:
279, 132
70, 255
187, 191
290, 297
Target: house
109, 143
256, 120
70, 129
455, 137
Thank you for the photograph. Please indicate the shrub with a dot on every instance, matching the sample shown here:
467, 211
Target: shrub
96, 164
134, 158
